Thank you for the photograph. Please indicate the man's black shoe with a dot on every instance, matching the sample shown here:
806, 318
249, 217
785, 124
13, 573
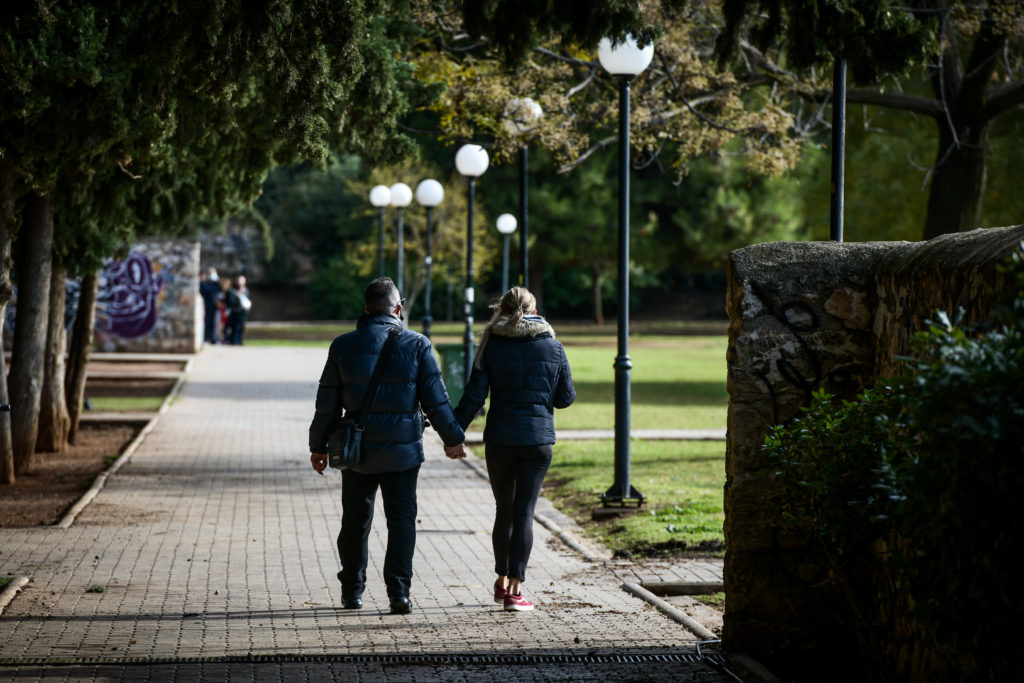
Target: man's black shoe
355, 602
401, 605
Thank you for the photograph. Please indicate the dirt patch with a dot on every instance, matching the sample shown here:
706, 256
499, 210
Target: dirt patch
129, 387
59, 479
135, 368
668, 549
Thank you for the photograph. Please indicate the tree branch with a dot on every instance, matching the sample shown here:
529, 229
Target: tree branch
1002, 98
919, 105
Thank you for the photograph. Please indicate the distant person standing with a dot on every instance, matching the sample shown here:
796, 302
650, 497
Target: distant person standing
209, 289
239, 304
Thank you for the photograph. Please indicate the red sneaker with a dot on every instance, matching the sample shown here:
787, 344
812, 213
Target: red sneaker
517, 603
499, 591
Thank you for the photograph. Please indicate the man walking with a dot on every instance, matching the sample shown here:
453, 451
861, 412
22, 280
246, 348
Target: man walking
410, 384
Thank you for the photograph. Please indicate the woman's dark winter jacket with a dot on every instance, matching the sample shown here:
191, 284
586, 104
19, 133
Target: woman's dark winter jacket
393, 441
527, 373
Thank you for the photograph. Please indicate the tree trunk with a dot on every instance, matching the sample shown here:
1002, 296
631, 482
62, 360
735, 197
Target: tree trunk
958, 181
78, 354
54, 421
6, 234
596, 293
34, 260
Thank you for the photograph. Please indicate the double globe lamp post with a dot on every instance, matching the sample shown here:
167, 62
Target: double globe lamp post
429, 194
471, 161
624, 60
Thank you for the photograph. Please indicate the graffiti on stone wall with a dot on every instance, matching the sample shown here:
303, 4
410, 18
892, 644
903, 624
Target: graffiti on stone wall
129, 296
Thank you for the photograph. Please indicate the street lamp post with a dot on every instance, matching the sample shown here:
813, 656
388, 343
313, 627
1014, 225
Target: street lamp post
521, 116
506, 226
429, 194
838, 150
471, 161
625, 61
401, 196
380, 196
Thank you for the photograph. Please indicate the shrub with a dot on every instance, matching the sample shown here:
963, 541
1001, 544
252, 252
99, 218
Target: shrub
927, 465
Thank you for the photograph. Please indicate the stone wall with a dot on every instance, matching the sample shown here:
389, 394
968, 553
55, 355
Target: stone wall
149, 302
804, 316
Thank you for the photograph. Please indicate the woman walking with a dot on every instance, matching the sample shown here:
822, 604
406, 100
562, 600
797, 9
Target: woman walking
525, 369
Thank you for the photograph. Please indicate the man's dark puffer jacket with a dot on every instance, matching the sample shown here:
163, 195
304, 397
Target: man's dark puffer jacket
528, 375
394, 428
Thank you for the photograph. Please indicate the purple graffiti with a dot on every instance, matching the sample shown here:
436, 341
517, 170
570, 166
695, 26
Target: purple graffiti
128, 296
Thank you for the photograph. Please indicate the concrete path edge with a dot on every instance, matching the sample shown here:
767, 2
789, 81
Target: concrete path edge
688, 622
11, 590
101, 479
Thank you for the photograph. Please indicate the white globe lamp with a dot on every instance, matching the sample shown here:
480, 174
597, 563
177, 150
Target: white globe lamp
380, 196
625, 58
429, 193
471, 160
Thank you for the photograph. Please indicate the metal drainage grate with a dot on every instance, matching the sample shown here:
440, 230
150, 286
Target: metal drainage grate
401, 660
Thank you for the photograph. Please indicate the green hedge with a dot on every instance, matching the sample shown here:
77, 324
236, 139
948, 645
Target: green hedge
915, 494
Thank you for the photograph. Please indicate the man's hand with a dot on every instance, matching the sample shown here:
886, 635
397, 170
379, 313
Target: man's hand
319, 461
455, 452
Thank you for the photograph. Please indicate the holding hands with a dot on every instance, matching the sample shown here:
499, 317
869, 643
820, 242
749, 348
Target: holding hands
456, 452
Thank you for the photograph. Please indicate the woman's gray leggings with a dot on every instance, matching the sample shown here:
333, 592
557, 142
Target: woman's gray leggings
516, 474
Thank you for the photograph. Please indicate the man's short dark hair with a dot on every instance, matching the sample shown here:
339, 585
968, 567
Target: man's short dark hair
382, 296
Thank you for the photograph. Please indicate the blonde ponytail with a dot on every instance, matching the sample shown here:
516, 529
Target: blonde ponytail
513, 306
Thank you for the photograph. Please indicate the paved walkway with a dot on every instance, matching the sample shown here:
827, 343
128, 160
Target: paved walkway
211, 553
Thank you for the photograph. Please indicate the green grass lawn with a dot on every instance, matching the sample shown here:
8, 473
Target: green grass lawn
675, 383
681, 481
120, 404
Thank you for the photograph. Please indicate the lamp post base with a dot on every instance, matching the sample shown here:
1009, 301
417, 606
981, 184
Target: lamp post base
613, 497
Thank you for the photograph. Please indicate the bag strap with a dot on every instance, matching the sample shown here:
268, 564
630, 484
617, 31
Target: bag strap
378, 370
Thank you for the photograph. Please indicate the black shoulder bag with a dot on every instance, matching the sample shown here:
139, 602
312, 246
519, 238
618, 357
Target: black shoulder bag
345, 442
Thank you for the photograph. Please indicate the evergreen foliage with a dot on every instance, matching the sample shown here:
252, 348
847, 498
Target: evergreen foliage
878, 37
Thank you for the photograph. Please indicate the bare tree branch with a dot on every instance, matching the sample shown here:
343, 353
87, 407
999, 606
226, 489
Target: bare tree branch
583, 84
1002, 98
919, 105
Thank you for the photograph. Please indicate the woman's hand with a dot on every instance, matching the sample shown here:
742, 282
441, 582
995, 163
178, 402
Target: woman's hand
319, 461
455, 452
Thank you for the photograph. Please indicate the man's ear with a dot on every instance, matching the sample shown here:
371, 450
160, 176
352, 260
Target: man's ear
366, 309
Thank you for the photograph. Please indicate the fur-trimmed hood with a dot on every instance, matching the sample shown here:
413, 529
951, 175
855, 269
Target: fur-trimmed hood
529, 326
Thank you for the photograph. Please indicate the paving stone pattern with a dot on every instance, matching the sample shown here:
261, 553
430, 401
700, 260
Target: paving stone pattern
217, 540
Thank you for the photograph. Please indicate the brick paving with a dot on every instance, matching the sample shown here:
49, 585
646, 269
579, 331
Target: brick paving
216, 543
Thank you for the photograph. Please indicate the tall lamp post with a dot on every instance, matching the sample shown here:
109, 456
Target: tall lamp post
380, 196
838, 150
429, 194
471, 161
625, 61
521, 116
506, 226
401, 196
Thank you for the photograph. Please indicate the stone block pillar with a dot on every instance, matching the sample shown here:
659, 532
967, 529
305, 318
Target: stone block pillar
815, 315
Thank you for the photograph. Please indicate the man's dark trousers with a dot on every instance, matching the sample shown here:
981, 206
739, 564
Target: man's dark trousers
398, 492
